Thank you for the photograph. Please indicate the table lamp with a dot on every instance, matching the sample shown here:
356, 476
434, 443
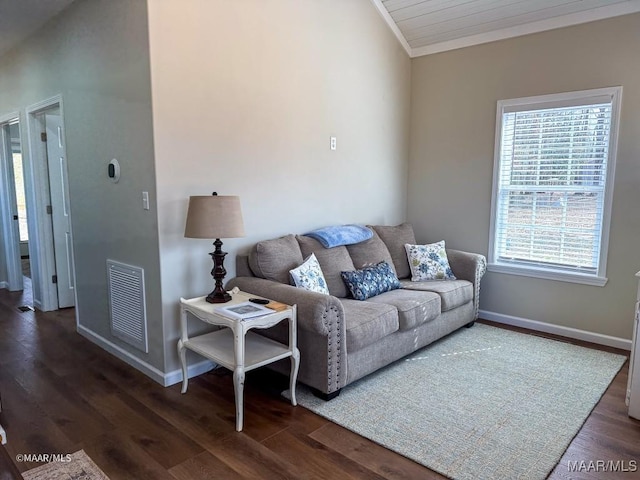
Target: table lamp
215, 216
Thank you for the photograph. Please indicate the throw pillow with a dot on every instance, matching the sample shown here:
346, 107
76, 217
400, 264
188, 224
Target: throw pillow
309, 276
371, 281
429, 262
332, 261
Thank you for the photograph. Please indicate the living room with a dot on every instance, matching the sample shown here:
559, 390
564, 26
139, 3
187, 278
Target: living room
260, 87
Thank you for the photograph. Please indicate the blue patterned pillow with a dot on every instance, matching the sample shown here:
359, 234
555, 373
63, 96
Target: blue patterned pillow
371, 281
429, 262
309, 276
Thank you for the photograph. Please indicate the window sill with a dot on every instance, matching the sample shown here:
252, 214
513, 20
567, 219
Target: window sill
547, 274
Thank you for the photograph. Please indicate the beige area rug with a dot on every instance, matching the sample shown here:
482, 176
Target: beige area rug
80, 467
483, 403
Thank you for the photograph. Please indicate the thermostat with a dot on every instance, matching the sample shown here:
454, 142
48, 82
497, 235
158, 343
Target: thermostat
113, 170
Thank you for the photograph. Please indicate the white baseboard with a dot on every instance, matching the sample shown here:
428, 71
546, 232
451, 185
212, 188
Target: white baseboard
3, 436
164, 379
569, 332
4, 285
193, 370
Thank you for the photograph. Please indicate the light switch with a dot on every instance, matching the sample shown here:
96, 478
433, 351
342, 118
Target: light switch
145, 200
333, 143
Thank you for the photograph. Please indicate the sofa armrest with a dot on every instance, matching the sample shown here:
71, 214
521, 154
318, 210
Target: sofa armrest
316, 312
470, 267
322, 333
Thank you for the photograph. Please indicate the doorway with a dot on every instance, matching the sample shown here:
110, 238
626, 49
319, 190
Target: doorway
21, 198
34, 207
51, 240
13, 194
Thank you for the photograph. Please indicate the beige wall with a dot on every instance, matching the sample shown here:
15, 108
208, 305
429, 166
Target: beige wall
96, 55
245, 97
454, 97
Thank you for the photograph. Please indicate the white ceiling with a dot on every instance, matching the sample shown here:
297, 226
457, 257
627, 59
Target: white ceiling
431, 26
20, 18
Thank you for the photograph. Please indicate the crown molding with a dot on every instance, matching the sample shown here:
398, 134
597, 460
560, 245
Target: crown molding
392, 25
600, 13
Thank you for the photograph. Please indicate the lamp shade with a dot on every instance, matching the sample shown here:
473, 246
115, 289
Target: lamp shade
214, 216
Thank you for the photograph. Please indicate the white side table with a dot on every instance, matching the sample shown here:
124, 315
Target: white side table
235, 347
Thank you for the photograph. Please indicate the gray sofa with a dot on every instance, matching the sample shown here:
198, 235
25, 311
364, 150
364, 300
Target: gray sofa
342, 339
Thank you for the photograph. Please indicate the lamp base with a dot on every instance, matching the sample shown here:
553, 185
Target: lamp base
219, 294
218, 297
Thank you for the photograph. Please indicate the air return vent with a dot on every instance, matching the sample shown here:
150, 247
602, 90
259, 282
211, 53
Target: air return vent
127, 304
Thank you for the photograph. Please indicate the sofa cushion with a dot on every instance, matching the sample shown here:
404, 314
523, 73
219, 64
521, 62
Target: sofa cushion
333, 261
453, 293
366, 323
272, 259
370, 252
429, 262
371, 281
414, 307
309, 276
395, 239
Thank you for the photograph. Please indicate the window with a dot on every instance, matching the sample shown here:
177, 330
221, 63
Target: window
552, 185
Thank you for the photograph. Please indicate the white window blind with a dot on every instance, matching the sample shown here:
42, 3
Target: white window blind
550, 188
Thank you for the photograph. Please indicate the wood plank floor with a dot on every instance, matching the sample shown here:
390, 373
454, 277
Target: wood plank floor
61, 393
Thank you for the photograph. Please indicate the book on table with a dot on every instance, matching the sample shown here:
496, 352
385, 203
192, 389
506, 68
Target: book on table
244, 310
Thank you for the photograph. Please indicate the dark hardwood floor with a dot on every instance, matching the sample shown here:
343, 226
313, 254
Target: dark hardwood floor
61, 393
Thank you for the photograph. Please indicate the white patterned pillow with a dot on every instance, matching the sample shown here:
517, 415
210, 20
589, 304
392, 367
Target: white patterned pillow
309, 276
429, 262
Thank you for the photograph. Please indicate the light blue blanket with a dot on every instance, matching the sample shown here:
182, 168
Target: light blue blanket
341, 235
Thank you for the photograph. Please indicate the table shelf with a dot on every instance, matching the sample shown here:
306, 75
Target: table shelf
218, 346
235, 346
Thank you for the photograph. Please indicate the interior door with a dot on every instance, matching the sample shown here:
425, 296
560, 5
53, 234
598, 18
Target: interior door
61, 219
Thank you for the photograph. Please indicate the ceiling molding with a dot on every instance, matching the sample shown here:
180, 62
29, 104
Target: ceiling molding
600, 13
392, 25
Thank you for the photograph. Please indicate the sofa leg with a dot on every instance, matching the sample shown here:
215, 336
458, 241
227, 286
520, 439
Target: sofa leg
470, 324
325, 396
